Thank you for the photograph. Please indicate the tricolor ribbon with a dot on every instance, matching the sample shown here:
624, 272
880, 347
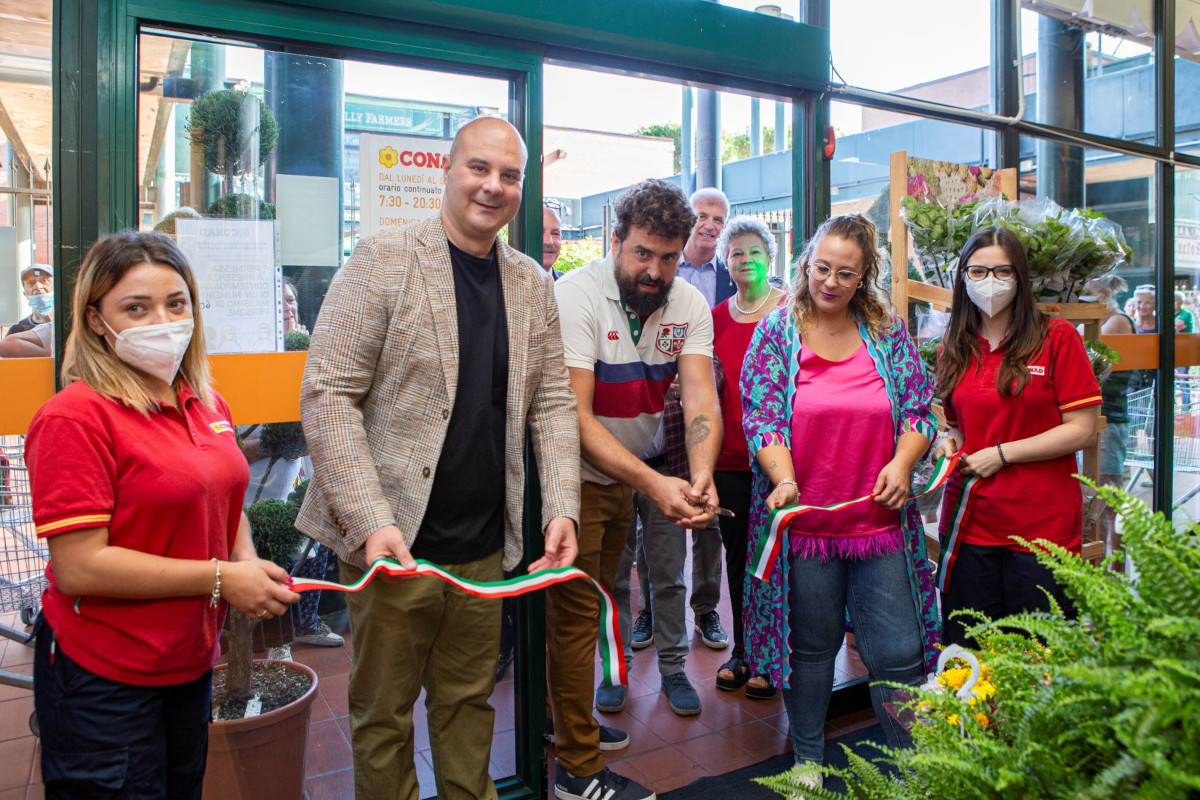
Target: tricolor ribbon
770, 541
611, 655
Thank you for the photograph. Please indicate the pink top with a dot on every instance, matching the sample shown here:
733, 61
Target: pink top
842, 436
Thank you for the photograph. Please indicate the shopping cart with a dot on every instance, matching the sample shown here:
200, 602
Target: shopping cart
1139, 457
22, 558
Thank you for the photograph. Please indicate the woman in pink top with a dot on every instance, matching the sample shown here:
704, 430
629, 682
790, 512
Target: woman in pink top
748, 249
836, 407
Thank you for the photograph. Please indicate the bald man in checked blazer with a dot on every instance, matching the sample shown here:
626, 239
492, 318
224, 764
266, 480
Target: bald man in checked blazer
437, 348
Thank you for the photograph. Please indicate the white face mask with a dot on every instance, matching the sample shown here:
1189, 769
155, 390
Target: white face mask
991, 295
154, 349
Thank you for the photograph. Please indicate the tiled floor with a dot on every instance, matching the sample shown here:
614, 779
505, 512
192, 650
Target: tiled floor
666, 751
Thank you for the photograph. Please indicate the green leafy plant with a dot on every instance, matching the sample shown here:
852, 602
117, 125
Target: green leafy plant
1102, 357
241, 206
227, 123
1106, 705
576, 253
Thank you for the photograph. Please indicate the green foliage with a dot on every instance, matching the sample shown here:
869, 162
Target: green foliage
734, 146
272, 523
296, 340
577, 253
241, 206
928, 351
1102, 357
223, 123
296, 498
1105, 706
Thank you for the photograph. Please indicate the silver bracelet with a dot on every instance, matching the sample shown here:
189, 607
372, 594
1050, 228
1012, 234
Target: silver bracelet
216, 590
789, 481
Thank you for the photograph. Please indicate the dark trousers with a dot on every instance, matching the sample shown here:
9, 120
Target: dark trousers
996, 582
106, 740
733, 488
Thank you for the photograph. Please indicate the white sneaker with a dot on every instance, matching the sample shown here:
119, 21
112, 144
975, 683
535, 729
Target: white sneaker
807, 780
323, 636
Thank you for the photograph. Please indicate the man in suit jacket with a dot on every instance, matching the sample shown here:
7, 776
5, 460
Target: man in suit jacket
437, 347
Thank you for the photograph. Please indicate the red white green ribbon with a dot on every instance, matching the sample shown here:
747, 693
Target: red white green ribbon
770, 541
610, 643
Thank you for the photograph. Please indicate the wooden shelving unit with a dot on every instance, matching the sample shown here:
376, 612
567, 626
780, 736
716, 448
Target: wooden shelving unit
906, 291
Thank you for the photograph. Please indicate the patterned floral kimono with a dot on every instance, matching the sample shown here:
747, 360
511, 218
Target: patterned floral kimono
769, 377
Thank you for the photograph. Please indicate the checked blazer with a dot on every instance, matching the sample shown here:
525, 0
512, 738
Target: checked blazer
380, 382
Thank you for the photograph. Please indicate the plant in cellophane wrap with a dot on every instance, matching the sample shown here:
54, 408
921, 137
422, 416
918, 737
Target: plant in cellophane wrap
1058, 233
938, 233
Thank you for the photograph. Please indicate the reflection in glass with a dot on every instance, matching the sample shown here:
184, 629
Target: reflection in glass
26, 258
268, 167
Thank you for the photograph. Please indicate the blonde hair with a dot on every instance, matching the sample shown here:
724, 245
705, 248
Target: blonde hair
89, 358
865, 305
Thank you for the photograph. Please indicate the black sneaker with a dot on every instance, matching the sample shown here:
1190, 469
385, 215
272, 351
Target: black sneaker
710, 630
604, 785
610, 738
643, 632
680, 695
610, 699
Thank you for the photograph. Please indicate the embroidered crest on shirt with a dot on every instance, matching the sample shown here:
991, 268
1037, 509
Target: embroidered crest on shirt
671, 339
221, 426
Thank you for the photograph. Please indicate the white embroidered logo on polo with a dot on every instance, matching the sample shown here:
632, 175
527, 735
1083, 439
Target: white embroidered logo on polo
1040, 371
221, 426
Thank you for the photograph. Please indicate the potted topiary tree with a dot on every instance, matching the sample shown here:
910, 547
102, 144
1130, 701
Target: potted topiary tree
236, 133
261, 709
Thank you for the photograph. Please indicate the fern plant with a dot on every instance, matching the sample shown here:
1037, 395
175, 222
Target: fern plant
1106, 705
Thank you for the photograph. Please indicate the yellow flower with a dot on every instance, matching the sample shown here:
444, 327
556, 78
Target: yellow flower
952, 719
388, 157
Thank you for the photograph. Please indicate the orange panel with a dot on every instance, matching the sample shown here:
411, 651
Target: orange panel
28, 383
1138, 350
1187, 349
260, 387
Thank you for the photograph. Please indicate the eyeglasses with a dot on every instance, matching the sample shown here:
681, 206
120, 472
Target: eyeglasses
845, 277
1003, 272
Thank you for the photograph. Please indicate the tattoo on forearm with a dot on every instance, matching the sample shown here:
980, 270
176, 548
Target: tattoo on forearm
697, 431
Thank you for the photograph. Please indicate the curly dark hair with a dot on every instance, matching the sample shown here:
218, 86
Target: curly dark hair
658, 206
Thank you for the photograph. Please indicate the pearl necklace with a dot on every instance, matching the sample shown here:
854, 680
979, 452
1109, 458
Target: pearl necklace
757, 308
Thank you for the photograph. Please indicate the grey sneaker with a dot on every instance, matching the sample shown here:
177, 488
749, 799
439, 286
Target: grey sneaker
610, 699
323, 636
680, 695
643, 632
610, 738
604, 785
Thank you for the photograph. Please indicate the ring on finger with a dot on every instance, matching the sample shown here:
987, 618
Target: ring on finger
262, 613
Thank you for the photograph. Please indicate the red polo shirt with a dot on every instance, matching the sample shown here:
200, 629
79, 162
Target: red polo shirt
170, 484
1038, 500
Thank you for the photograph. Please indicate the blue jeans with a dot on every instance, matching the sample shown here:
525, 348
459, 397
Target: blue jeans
876, 592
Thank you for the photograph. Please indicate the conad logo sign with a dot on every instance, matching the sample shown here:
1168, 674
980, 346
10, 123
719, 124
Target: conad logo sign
388, 157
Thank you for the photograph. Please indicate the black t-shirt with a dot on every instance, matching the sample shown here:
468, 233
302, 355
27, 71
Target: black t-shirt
465, 517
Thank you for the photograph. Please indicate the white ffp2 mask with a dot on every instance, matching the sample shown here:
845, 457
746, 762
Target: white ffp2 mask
156, 350
991, 295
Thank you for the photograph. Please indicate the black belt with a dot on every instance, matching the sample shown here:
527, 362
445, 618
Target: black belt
654, 462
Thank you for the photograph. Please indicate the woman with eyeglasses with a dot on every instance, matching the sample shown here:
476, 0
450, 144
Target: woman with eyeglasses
836, 407
1020, 399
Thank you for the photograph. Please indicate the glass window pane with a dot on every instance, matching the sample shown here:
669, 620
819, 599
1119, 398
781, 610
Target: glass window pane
935, 50
1187, 344
26, 87
1089, 69
269, 166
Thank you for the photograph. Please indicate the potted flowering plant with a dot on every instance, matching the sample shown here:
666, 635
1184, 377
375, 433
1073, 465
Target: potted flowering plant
1105, 705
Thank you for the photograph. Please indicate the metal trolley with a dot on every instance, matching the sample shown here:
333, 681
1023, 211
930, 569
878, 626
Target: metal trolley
22, 557
1185, 428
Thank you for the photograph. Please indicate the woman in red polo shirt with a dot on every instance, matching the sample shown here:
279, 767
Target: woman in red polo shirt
137, 488
1021, 399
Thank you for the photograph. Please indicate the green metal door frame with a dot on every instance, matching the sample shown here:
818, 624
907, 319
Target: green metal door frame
95, 106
